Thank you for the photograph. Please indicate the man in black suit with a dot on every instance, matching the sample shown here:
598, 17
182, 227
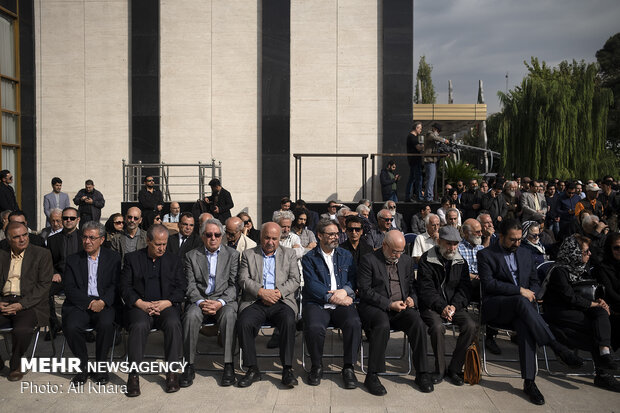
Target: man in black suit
219, 203
388, 294
8, 202
20, 217
153, 287
61, 245
509, 287
25, 277
186, 239
90, 280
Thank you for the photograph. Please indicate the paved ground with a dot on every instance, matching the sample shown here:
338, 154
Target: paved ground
573, 394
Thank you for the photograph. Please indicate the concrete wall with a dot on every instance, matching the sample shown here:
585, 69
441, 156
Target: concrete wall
81, 94
335, 93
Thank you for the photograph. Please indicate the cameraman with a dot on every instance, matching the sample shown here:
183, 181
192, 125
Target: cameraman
431, 141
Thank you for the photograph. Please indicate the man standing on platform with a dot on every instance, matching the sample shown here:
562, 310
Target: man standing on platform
55, 199
89, 202
430, 161
415, 146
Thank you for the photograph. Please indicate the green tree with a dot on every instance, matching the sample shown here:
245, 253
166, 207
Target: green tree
555, 123
428, 90
609, 71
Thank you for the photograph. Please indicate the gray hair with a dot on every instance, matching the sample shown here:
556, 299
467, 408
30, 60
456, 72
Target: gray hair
364, 201
155, 229
324, 223
212, 221
280, 215
362, 208
453, 210
589, 220
55, 211
479, 217
387, 203
427, 218
342, 211
89, 225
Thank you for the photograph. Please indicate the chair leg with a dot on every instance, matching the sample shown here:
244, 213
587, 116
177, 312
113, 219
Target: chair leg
36, 341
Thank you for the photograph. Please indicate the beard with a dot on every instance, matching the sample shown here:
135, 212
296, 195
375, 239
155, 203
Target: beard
391, 260
475, 240
446, 254
511, 194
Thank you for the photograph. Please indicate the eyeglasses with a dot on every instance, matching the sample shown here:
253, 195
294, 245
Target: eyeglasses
354, 229
150, 180
119, 222
157, 219
586, 253
534, 235
230, 234
246, 222
387, 219
89, 238
132, 218
69, 218
211, 234
331, 234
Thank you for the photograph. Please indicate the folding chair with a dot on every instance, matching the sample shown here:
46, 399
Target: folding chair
89, 330
208, 353
7, 331
261, 331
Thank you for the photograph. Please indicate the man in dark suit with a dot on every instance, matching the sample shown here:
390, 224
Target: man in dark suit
398, 222
25, 278
90, 280
329, 290
8, 202
268, 282
89, 202
186, 239
509, 287
219, 203
62, 245
211, 272
20, 217
153, 288
388, 300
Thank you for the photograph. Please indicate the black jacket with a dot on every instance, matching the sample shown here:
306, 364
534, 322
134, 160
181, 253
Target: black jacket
56, 245
7, 198
438, 288
223, 200
173, 281
608, 274
94, 209
468, 199
148, 201
190, 243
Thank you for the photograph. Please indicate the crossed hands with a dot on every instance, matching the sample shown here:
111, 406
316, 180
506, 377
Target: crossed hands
401, 305
210, 307
269, 297
448, 312
340, 297
10, 309
153, 307
96, 305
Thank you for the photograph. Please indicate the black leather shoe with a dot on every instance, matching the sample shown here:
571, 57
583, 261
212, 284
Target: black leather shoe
570, 358
607, 381
373, 385
436, 377
424, 382
536, 397
187, 378
288, 377
454, 378
349, 378
315, 375
250, 377
492, 346
101, 378
607, 362
133, 385
80, 378
274, 341
172, 382
228, 378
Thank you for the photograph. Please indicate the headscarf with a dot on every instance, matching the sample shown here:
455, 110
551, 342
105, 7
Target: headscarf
569, 257
526, 231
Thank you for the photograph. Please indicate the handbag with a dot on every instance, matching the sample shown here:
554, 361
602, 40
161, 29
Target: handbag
589, 289
472, 373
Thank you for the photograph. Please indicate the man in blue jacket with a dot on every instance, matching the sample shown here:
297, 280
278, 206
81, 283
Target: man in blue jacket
329, 290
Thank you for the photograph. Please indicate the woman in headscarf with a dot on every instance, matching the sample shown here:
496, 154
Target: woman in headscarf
575, 320
531, 241
608, 274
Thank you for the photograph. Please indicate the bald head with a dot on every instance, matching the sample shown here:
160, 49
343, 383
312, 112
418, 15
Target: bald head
234, 226
393, 246
472, 231
133, 218
270, 237
203, 217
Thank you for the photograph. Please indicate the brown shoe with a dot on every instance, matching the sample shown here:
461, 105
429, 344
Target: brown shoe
133, 385
172, 382
15, 375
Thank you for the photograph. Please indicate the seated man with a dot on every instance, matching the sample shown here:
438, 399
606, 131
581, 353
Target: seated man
153, 287
428, 240
268, 282
186, 239
509, 287
329, 290
445, 289
25, 277
387, 290
90, 279
211, 272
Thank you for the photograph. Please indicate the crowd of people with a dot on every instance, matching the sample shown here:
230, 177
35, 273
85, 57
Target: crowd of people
348, 268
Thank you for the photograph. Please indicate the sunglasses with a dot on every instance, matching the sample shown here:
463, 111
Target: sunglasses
387, 219
246, 222
534, 235
119, 222
354, 229
150, 180
211, 234
69, 218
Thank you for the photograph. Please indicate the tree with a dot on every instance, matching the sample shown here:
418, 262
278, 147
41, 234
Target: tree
428, 90
609, 62
555, 123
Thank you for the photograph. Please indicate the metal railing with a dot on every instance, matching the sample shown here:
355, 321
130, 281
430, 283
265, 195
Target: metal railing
173, 179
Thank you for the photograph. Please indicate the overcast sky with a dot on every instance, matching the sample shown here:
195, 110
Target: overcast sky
470, 40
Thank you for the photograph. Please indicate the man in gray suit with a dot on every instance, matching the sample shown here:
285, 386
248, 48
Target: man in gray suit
268, 281
533, 203
55, 199
211, 272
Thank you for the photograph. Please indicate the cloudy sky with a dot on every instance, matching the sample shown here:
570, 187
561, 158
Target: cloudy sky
468, 40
